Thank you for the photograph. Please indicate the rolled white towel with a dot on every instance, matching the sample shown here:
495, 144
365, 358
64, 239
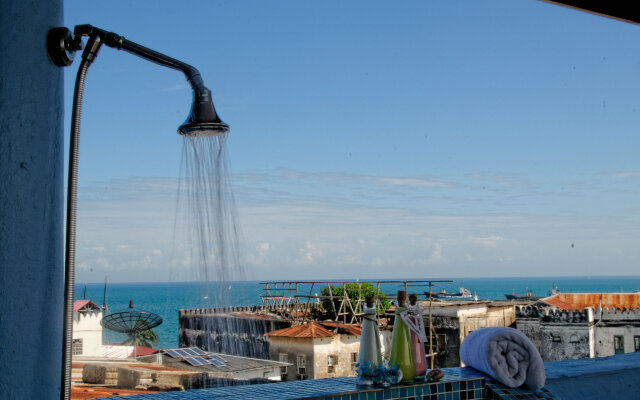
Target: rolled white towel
506, 354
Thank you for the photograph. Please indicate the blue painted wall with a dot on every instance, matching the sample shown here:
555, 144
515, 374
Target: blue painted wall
31, 202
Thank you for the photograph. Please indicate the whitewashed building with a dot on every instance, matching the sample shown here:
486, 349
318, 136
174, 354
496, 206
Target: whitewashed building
316, 350
87, 330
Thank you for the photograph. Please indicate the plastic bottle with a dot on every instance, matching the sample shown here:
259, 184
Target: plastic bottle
401, 349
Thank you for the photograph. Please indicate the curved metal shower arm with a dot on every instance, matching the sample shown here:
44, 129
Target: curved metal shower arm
116, 41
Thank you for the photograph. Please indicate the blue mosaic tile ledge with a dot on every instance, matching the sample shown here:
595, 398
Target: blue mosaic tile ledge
494, 390
458, 384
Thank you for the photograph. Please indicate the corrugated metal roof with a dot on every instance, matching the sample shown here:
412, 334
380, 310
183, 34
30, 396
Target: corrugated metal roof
124, 352
85, 305
308, 330
343, 328
579, 301
231, 363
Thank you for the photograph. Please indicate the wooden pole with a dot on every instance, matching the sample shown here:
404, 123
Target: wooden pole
430, 327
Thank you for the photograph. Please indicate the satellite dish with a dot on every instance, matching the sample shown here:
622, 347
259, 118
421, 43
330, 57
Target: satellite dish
131, 323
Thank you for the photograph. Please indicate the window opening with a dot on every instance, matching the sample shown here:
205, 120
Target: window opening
76, 347
618, 344
332, 361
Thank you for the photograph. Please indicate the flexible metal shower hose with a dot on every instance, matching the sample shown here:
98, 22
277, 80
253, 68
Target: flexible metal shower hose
70, 243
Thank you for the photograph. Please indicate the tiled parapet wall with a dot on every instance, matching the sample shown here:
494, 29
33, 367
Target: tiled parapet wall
619, 314
585, 316
589, 314
458, 384
577, 317
223, 310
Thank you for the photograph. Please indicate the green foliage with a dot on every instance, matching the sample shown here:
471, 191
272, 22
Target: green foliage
146, 338
366, 289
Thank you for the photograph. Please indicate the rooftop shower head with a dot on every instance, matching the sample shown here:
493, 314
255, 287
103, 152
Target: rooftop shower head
203, 119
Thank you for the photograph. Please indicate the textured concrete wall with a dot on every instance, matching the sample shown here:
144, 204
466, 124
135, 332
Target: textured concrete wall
531, 328
293, 347
565, 341
604, 338
86, 326
341, 346
31, 202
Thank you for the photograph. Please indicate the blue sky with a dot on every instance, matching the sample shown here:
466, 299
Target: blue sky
369, 139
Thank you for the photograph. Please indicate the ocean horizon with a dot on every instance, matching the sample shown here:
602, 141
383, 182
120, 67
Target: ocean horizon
167, 298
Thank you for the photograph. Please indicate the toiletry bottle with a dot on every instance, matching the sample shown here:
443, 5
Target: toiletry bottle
417, 337
401, 350
370, 356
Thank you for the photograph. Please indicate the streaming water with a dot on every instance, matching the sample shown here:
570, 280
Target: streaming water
206, 216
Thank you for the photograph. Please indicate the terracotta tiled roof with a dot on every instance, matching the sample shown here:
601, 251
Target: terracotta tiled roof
308, 330
578, 301
85, 304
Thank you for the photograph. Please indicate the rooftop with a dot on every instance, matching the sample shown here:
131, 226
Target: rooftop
317, 330
85, 305
231, 363
579, 301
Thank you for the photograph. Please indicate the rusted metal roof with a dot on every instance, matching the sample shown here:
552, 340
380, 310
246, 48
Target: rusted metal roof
85, 305
579, 301
308, 330
343, 328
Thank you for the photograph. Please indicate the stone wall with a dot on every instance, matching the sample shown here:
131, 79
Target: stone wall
447, 341
531, 328
558, 335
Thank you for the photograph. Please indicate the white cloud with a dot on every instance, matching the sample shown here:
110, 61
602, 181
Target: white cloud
626, 174
134, 238
263, 248
411, 182
489, 241
97, 248
309, 254
436, 254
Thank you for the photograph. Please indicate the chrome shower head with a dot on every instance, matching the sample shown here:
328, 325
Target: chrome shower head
203, 119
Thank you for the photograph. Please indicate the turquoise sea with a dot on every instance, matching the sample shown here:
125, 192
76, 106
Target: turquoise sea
166, 299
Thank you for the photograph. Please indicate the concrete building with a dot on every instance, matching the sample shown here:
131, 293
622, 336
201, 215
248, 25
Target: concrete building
454, 320
316, 350
582, 325
87, 330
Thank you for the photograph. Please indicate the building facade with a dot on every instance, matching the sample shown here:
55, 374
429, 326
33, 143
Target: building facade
560, 332
316, 350
87, 330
